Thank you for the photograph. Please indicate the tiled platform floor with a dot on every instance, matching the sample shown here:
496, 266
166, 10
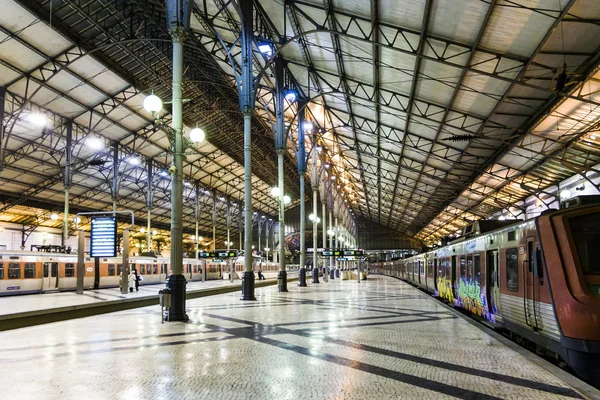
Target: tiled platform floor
380, 339
35, 302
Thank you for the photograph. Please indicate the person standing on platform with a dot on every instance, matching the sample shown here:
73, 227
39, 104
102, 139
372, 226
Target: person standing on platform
131, 280
137, 280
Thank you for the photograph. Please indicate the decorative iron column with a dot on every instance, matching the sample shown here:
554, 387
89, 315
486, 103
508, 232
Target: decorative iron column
301, 159
67, 175
246, 88
315, 187
197, 217
115, 180
280, 147
149, 199
178, 19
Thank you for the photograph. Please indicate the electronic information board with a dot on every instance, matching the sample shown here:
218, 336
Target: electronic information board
104, 236
218, 254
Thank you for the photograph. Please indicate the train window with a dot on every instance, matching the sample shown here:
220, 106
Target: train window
586, 235
29, 271
430, 268
512, 235
477, 269
469, 268
463, 268
119, 269
142, 269
14, 271
1, 270
69, 270
441, 267
512, 270
422, 268
195, 269
111, 269
149, 270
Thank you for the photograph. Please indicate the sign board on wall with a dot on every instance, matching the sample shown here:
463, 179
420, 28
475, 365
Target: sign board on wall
103, 241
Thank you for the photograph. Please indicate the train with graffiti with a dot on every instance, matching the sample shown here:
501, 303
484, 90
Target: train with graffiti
538, 280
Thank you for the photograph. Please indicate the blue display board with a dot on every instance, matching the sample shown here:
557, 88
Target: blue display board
218, 254
104, 236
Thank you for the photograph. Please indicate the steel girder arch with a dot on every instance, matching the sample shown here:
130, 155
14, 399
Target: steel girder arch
97, 42
82, 132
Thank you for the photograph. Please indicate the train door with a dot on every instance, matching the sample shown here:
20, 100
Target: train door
188, 271
96, 272
435, 274
493, 281
453, 275
50, 276
163, 272
529, 298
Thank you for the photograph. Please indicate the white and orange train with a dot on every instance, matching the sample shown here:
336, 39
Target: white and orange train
24, 272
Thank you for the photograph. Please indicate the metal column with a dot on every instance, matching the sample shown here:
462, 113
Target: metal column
149, 206
67, 175
324, 220
280, 141
314, 186
176, 282
197, 217
214, 220
115, 182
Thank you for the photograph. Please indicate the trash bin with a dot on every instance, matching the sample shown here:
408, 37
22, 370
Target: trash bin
164, 297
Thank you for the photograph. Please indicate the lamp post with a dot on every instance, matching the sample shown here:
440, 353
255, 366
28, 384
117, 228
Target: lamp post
301, 157
246, 90
178, 17
314, 185
283, 200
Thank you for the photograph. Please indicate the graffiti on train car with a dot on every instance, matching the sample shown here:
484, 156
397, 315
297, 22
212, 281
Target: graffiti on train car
445, 289
471, 297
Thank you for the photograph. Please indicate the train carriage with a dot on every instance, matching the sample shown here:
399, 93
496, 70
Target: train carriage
538, 279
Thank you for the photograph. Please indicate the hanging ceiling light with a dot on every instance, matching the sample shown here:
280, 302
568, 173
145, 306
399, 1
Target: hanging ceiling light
94, 143
152, 103
197, 135
54, 216
275, 192
565, 194
38, 119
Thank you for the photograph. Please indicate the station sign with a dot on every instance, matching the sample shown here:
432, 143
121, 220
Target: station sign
103, 236
333, 253
354, 253
350, 258
218, 254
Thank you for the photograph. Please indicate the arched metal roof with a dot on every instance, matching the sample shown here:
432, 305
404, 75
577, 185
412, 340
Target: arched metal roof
434, 112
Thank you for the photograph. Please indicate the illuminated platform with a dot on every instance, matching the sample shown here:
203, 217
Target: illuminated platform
380, 339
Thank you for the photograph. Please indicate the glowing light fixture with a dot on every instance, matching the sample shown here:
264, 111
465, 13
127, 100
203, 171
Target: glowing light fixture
154, 231
38, 119
291, 95
501, 218
54, 216
266, 48
142, 230
94, 143
312, 217
164, 174
275, 192
197, 135
287, 199
308, 125
133, 160
152, 103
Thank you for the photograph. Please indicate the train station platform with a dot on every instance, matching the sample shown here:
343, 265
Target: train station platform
378, 339
34, 309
